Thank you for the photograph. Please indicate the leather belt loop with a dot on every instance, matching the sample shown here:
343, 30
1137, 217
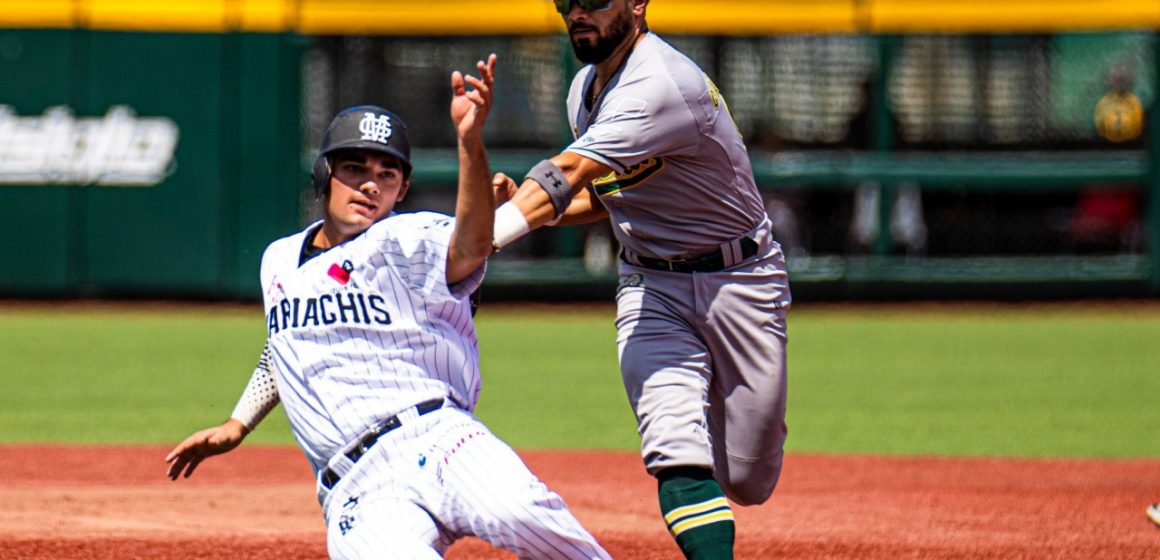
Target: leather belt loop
731, 253
629, 256
408, 415
337, 467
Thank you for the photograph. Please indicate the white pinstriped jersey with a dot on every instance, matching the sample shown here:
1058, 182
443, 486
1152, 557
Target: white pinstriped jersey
368, 328
683, 183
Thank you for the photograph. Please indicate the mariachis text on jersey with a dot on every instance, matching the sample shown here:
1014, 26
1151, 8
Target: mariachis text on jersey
344, 307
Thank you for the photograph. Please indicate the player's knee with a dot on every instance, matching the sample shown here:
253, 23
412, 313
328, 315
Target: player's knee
751, 484
750, 494
538, 525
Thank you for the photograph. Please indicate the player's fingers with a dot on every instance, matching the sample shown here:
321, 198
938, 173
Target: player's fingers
474, 94
476, 97
491, 59
485, 72
457, 87
503, 188
193, 463
489, 79
478, 84
481, 96
176, 467
185, 446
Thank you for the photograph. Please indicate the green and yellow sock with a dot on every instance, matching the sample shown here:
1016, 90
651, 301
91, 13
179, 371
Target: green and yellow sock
696, 512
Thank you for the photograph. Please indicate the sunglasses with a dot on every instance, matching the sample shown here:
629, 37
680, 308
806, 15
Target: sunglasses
565, 6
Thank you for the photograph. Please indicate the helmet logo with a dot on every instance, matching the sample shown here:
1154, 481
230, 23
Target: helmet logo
375, 127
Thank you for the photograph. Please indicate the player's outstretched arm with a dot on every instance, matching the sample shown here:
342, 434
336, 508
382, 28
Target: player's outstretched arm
258, 399
532, 205
206, 443
471, 240
582, 209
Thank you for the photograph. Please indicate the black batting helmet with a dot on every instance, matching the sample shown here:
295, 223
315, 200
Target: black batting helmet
366, 127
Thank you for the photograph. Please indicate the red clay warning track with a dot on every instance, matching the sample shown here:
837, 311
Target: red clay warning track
60, 502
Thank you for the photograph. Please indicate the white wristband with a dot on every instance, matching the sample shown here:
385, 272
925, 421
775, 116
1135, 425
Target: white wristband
510, 224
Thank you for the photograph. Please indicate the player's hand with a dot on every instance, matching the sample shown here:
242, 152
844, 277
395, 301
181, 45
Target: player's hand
206, 443
469, 109
503, 188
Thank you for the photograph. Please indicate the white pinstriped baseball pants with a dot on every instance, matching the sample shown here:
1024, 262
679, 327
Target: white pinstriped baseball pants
440, 477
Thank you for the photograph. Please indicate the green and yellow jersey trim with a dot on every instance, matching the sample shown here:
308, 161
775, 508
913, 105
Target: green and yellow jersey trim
633, 176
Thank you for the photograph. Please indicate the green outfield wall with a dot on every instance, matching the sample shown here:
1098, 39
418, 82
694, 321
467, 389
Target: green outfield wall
139, 163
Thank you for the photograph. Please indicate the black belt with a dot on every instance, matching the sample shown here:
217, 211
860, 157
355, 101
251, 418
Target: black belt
708, 262
330, 478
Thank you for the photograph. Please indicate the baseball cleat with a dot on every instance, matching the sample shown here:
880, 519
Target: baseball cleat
1153, 512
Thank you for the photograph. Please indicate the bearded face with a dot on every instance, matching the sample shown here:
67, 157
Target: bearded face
593, 45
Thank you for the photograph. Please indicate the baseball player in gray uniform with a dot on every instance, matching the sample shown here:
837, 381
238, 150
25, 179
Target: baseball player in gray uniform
703, 293
372, 351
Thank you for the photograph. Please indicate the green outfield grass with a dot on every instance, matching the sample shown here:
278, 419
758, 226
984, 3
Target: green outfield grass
975, 380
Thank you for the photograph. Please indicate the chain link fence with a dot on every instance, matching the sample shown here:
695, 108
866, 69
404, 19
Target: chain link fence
826, 98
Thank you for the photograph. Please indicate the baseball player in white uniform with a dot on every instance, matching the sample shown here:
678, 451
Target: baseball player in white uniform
703, 294
372, 351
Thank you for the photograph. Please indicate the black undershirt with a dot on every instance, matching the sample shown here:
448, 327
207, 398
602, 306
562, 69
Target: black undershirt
309, 249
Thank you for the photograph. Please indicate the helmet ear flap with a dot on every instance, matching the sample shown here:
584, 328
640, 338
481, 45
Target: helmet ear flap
320, 176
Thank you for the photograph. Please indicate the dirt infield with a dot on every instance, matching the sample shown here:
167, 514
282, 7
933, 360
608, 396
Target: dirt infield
258, 503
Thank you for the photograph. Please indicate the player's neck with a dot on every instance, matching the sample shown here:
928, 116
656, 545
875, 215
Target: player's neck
611, 65
329, 236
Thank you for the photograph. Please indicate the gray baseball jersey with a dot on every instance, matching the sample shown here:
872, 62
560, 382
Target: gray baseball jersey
683, 183
702, 353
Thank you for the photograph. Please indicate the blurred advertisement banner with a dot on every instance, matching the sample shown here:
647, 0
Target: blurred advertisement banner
118, 149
